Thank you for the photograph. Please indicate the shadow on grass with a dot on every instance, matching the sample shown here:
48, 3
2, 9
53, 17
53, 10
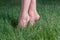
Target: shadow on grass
13, 21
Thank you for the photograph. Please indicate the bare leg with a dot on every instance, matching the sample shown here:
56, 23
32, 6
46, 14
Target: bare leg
24, 17
33, 12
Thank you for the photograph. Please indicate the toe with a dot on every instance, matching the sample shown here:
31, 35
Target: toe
32, 21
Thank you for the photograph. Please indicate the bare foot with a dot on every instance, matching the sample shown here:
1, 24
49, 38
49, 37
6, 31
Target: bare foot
36, 15
24, 19
33, 16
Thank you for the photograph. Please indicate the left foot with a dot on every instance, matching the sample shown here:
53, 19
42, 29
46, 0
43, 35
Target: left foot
24, 19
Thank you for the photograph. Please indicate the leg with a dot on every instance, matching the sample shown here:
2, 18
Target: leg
24, 18
33, 12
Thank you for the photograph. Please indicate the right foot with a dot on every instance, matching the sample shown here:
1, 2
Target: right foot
33, 16
24, 19
36, 15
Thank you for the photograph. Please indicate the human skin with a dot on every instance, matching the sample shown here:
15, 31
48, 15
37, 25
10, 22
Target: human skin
33, 12
28, 13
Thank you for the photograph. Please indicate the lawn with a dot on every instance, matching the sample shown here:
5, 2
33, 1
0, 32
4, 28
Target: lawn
46, 28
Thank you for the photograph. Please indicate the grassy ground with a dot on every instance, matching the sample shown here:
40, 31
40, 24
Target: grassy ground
47, 28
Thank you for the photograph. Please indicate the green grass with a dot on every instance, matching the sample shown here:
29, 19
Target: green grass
47, 28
